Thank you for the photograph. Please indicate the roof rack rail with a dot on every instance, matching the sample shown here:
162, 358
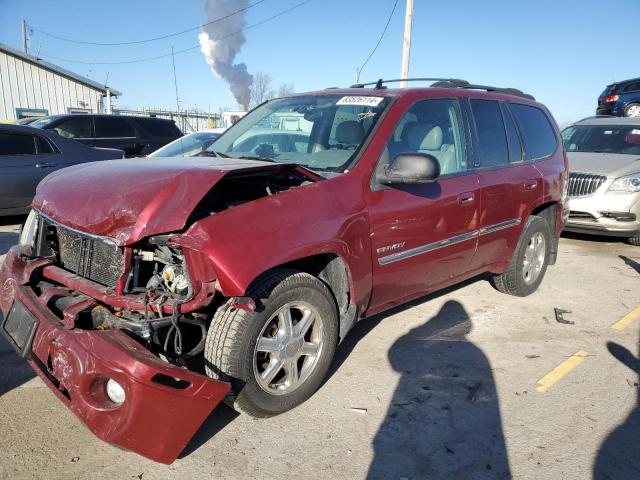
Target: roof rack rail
448, 83
379, 84
488, 88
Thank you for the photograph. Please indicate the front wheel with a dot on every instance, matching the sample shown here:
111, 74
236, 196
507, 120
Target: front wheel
529, 262
635, 239
276, 357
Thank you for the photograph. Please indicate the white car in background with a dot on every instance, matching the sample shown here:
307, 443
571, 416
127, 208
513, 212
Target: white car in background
189, 145
604, 177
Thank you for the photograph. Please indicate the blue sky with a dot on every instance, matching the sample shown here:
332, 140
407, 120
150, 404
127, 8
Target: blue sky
563, 52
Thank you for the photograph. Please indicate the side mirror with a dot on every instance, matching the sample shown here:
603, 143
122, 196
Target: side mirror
411, 168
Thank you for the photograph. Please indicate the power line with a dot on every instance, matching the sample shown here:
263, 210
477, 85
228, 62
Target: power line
157, 57
381, 36
147, 40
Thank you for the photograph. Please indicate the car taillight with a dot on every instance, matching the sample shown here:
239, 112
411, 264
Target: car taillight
611, 98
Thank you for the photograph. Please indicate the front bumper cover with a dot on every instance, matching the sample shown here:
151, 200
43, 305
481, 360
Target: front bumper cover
165, 405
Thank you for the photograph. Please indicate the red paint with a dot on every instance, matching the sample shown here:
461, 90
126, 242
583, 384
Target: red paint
128, 200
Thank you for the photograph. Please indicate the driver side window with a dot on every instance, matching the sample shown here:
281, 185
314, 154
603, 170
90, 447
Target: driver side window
433, 127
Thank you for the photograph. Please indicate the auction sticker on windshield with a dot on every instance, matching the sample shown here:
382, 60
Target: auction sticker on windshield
360, 101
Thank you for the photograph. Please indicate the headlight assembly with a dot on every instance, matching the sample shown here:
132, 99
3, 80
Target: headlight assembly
29, 230
629, 184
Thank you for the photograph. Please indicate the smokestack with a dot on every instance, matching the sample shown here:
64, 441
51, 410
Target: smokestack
220, 47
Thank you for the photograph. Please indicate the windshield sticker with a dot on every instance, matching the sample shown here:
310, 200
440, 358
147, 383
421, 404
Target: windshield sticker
608, 132
360, 101
365, 115
635, 131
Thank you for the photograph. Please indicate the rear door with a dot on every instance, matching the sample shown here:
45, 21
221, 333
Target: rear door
424, 236
509, 185
116, 132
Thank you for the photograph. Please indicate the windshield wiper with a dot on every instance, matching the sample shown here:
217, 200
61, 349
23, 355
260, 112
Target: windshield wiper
212, 153
255, 157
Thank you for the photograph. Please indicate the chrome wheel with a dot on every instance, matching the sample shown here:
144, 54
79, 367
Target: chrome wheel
633, 111
534, 256
288, 348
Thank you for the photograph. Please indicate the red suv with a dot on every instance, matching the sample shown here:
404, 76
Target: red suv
144, 292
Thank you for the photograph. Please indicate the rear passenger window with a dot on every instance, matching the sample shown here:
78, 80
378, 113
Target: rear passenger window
491, 134
537, 134
515, 148
159, 128
12, 144
113, 127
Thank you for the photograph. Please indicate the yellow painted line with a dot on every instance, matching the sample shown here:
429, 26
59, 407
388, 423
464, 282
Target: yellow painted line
555, 375
627, 320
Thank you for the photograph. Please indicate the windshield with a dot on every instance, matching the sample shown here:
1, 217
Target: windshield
603, 139
321, 132
187, 146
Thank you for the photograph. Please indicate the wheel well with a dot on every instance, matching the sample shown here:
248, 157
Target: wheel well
548, 212
332, 270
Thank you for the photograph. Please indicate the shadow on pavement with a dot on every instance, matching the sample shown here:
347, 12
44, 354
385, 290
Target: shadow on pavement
14, 370
221, 416
619, 455
594, 238
444, 418
630, 262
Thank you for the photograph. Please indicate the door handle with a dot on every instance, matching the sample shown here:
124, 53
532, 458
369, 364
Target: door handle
530, 184
45, 165
466, 198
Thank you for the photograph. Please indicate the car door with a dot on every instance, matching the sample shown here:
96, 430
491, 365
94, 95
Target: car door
508, 184
115, 132
19, 170
424, 236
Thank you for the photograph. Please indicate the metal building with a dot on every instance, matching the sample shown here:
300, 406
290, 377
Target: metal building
31, 87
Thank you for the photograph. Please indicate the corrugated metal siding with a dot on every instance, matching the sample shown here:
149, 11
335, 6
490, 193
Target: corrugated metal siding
25, 85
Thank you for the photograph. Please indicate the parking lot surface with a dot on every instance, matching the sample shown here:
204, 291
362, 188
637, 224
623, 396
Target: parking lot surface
463, 384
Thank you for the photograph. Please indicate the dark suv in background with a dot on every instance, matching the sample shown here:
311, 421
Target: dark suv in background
137, 136
621, 99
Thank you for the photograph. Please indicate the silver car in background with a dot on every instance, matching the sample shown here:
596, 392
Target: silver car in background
604, 178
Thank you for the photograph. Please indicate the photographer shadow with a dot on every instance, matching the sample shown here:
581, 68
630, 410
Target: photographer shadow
444, 418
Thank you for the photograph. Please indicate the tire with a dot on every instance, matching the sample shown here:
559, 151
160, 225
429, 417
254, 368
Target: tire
632, 110
634, 240
232, 352
519, 280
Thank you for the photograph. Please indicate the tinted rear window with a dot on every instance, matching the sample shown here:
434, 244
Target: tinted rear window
12, 144
159, 128
537, 133
113, 127
491, 134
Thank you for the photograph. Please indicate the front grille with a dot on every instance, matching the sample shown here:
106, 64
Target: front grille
95, 259
584, 216
582, 184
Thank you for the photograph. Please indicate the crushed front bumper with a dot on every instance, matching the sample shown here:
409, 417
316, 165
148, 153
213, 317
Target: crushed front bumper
164, 405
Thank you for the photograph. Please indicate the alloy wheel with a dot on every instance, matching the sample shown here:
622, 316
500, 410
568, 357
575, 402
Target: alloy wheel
288, 348
534, 256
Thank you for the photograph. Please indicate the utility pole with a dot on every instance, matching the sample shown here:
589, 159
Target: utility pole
25, 47
406, 43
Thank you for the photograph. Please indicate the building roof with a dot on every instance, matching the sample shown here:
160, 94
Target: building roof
56, 69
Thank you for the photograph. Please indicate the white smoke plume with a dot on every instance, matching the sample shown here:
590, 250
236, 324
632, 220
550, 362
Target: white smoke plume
220, 46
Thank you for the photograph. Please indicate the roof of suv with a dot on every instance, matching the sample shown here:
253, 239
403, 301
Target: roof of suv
608, 121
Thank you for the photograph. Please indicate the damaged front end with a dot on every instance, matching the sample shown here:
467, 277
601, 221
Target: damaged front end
116, 324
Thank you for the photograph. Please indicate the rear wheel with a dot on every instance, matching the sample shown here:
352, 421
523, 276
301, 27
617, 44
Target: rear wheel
632, 110
635, 240
529, 262
277, 356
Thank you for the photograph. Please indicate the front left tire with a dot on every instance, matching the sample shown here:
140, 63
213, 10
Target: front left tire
277, 356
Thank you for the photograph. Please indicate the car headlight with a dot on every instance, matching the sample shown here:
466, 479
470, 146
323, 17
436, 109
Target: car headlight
629, 183
29, 230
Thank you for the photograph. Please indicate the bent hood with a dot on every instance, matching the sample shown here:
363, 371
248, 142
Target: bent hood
127, 200
612, 165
